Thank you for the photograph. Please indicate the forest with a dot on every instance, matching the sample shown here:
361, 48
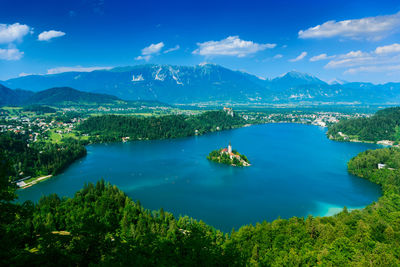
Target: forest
100, 225
383, 125
38, 158
43, 158
109, 128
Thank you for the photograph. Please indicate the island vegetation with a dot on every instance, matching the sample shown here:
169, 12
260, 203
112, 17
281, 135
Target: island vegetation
100, 225
229, 157
383, 125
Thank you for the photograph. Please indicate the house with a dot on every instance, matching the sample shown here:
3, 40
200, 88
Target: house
381, 166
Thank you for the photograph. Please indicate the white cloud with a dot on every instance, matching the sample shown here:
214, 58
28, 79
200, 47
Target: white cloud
352, 58
321, 57
373, 69
23, 74
387, 49
146, 58
231, 46
382, 59
369, 28
48, 35
152, 49
12, 32
10, 54
76, 68
277, 56
299, 57
177, 47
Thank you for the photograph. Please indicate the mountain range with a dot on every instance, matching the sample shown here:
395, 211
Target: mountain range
210, 83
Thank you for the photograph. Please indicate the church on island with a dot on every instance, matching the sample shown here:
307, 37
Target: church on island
228, 156
228, 151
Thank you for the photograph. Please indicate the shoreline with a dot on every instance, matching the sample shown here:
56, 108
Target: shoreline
381, 142
329, 210
23, 185
43, 178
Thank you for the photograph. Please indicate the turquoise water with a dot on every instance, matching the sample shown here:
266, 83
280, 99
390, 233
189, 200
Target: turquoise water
296, 171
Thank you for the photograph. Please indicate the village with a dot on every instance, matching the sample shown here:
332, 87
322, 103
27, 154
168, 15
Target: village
54, 127
38, 127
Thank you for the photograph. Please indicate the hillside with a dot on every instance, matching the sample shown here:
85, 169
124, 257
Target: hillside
67, 96
212, 84
114, 127
10, 97
101, 225
384, 125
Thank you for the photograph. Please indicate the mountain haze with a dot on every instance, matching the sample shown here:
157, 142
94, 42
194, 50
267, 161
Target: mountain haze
13, 97
211, 83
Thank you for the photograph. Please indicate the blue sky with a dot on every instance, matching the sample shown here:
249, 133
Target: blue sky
348, 40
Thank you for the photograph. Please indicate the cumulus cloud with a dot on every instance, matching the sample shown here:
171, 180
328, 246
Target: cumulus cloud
352, 58
388, 49
277, 56
373, 69
231, 46
321, 57
177, 47
12, 32
48, 35
23, 74
10, 54
299, 57
366, 28
149, 51
382, 59
153, 49
146, 58
76, 68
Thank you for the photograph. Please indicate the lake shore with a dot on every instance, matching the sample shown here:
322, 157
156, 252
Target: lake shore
31, 182
156, 172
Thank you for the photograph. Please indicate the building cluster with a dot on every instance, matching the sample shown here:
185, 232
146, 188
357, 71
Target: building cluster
228, 111
34, 126
118, 109
323, 119
228, 151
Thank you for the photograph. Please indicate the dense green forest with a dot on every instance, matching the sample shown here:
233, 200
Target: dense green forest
113, 128
44, 158
38, 158
39, 109
384, 125
100, 225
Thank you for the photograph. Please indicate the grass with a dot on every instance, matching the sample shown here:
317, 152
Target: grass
55, 137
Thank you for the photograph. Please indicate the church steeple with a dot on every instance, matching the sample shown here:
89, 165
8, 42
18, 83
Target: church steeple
229, 148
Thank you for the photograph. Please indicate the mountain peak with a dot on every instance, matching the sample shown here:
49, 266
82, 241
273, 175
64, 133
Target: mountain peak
297, 74
337, 81
295, 78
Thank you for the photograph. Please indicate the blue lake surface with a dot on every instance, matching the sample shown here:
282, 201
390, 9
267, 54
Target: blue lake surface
296, 171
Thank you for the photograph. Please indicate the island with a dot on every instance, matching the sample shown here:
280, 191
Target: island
229, 157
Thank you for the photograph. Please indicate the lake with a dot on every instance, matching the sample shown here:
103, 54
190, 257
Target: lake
296, 171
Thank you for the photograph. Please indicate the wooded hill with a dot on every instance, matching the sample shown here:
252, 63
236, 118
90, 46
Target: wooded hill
100, 225
383, 125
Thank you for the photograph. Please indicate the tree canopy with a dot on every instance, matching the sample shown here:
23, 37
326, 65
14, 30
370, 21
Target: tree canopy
100, 225
384, 125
